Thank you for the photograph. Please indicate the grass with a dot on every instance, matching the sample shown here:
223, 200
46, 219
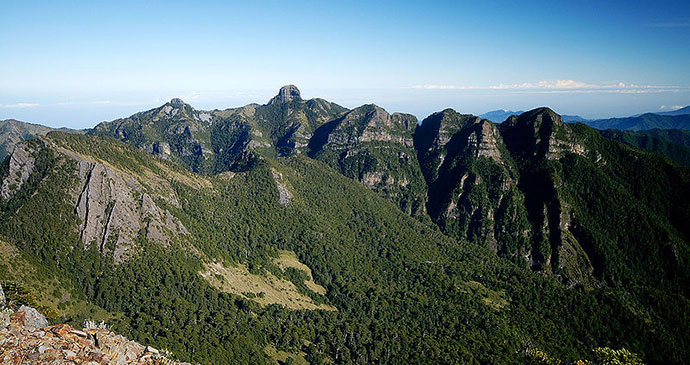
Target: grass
289, 259
283, 356
264, 289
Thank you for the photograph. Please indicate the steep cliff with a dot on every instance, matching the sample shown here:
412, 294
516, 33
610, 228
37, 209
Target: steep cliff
375, 148
472, 182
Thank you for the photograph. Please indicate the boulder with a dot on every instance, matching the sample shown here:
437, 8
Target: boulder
31, 318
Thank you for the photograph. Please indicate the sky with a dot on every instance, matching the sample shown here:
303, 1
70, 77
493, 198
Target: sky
77, 63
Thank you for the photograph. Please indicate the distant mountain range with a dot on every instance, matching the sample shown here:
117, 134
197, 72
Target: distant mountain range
643, 122
13, 131
500, 115
677, 119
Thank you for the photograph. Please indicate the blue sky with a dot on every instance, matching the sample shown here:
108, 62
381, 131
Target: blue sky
76, 63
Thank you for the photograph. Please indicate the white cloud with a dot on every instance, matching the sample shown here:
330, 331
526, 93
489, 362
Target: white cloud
18, 105
562, 86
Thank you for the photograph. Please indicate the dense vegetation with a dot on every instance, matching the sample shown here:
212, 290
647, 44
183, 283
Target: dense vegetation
404, 291
672, 143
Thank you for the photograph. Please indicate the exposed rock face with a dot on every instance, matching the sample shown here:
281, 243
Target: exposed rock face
63, 344
30, 318
472, 182
286, 94
115, 207
285, 196
376, 148
539, 133
535, 138
177, 102
22, 163
494, 185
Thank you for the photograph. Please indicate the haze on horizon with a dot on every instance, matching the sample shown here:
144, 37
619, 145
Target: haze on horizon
78, 63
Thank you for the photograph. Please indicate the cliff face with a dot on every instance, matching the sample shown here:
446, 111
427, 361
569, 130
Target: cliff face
115, 207
376, 148
472, 182
535, 139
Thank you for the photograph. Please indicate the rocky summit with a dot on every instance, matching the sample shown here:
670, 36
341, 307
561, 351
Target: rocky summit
286, 94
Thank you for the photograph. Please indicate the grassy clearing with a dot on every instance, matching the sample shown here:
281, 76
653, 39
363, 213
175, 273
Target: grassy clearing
282, 357
263, 289
289, 259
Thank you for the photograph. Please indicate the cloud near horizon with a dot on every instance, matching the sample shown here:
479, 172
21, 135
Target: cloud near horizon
560, 86
670, 107
18, 105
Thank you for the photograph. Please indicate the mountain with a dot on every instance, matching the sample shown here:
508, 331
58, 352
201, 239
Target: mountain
211, 142
643, 122
521, 189
471, 179
303, 231
681, 111
13, 131
375, 148
573, 119
672, 143
498, 116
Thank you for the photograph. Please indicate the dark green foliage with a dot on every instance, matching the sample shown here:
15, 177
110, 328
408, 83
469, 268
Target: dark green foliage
404, 291
229, 140
672, 143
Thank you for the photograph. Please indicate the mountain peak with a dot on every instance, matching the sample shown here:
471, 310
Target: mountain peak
286, 94
177, 102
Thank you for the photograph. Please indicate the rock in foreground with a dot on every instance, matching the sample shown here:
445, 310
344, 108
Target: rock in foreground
63, 344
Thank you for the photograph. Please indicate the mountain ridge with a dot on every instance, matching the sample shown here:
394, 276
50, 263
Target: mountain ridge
366, 235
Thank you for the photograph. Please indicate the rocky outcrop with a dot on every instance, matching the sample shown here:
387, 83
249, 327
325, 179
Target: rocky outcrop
22, 162
535, 138
539, 133
62, 344
115, 207
3, 301
286, 94
30, 318
284, 194
472, 182
212, 142
376, 148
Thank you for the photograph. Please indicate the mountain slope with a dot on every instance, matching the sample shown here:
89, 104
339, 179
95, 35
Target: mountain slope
472, 181
403, 291
375, 148
672, 143
681, 111
643, 122
13, 131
